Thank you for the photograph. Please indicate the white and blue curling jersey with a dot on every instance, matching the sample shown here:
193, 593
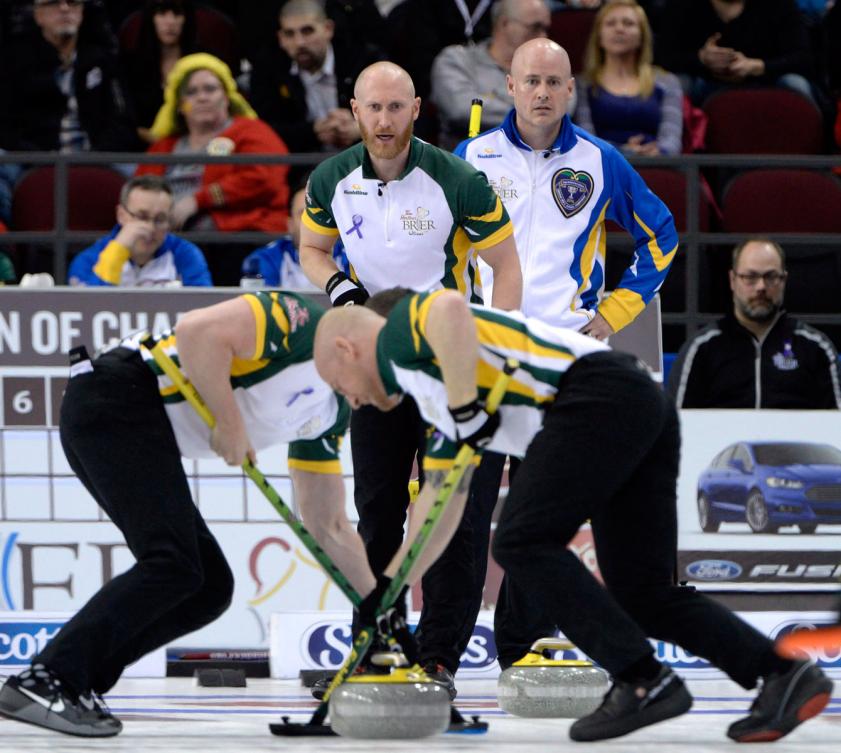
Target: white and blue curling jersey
559, 200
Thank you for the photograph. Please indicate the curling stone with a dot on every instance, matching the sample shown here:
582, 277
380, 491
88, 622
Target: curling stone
539, 687
405, 703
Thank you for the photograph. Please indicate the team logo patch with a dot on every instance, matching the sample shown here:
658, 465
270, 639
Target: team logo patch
786, 361
571, 190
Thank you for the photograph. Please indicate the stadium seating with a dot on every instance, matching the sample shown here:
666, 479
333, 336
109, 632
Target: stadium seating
793, 201
92, 194
571, 29
763, 121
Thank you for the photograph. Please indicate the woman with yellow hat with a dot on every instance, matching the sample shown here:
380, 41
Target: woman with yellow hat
204, 114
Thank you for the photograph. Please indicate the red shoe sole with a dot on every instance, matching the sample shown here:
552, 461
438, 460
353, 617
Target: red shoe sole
811, 708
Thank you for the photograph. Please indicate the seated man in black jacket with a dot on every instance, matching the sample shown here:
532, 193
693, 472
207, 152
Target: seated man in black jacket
303, 87
59, 85
758, 356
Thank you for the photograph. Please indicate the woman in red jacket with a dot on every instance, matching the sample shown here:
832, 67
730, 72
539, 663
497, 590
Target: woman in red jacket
203, 113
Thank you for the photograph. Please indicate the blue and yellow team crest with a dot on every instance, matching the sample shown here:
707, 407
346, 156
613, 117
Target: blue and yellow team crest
571, 190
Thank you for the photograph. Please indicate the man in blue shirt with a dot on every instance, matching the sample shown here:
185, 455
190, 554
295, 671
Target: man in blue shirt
140, 250
278, 263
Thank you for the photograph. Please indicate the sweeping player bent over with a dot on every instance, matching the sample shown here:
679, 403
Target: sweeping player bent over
599, 440
124, 429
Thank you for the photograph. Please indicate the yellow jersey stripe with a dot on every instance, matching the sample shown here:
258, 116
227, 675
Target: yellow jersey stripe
333, 467
315, 227
595, 242
496, 334
461, 250
280, 318
260, 322
168, 391
486, 376
423, 312
495, 215
495, 237
413, 323
661, 260
621, 307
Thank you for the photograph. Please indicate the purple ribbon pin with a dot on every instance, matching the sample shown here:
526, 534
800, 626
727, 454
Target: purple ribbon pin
357, 223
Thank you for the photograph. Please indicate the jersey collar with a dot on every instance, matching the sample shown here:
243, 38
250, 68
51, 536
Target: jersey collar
416, 147
565, 140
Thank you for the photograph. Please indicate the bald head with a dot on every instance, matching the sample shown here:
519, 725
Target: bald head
383, 75
345, 353
541, 53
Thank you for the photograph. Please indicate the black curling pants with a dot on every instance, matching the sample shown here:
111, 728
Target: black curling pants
119, 442
383, 445
609, 451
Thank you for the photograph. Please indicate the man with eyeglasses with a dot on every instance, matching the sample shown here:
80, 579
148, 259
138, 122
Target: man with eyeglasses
140, 250
60, 85
757, 356
462, 72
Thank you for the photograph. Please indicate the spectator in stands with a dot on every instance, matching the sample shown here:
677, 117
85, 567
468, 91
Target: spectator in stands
757, 356
464, 71
278, 264
140, 250
420, 29
724, 43
204, 114
303, 87
167, 33
256, 22
59, 85
622, 97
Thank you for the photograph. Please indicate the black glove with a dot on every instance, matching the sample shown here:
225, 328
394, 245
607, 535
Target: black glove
369, 605
345, 292
474, 425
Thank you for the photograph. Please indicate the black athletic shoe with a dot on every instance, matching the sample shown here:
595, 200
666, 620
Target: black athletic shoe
37, 697
629, 706
442, 676
785, 701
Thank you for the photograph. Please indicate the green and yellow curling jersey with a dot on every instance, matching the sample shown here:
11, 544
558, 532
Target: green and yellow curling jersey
407, 364
277, 389
419, 231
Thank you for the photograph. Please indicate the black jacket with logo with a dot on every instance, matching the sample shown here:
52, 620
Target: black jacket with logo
725, 366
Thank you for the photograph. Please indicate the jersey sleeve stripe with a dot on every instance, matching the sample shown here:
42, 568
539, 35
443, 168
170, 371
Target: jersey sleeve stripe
280, 318
315, 227
621, 307
498, 235
495, 215
419, 314
661, 260
260, 322
584, 264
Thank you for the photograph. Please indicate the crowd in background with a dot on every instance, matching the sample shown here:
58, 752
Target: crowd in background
133, 76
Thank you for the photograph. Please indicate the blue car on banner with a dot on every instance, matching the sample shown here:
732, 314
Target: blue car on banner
771, 484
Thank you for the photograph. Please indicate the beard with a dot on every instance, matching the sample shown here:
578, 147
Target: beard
760, 310
382, 150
